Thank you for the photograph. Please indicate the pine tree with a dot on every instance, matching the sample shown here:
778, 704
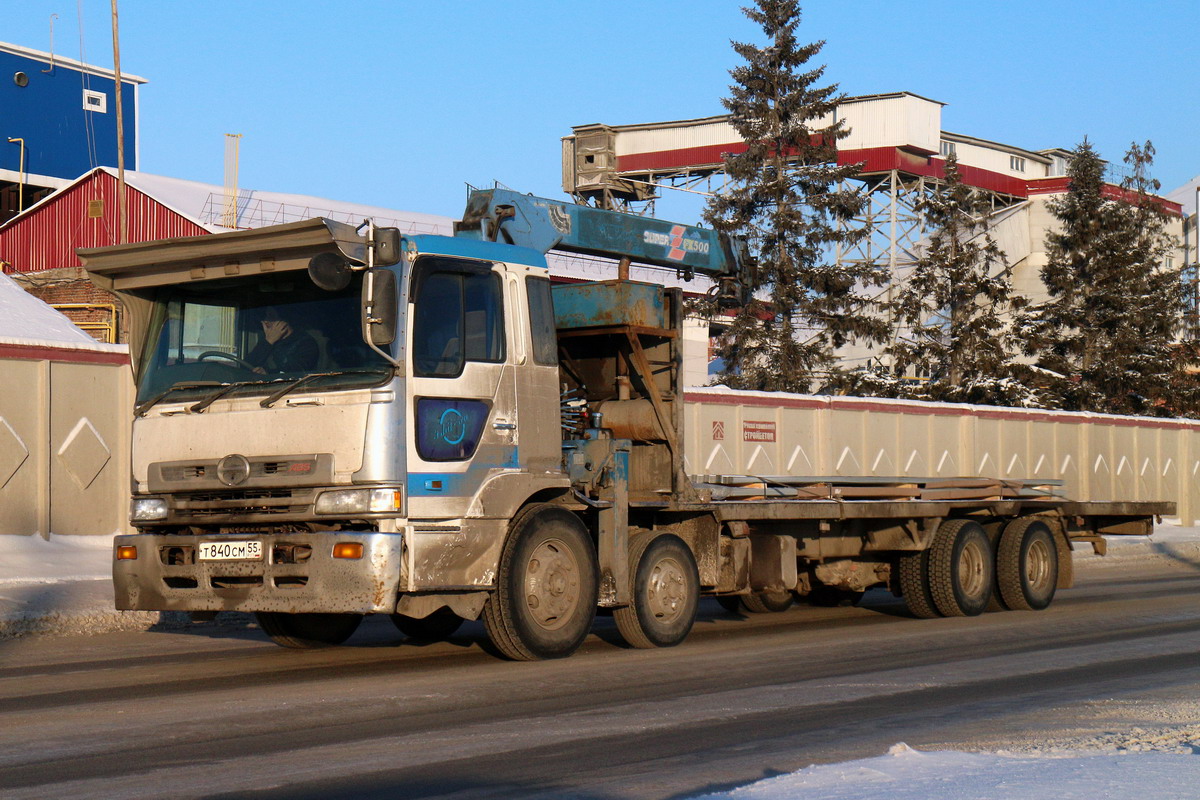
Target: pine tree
785, 198
1107, 335
951, 310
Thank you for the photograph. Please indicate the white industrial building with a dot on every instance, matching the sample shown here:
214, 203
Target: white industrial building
898, 140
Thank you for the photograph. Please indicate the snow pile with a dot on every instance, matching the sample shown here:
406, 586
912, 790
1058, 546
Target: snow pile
62, 585
907, 774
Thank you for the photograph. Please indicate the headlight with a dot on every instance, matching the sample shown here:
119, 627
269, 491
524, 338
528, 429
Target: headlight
148, 509
359, 501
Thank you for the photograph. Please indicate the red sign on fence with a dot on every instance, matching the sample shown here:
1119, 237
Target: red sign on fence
753, 431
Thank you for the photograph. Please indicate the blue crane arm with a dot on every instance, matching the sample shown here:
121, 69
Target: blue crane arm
502, 215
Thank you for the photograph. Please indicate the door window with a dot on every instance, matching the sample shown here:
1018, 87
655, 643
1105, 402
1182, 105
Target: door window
459, 317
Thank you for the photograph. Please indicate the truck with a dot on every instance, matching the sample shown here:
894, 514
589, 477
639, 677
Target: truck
333, 421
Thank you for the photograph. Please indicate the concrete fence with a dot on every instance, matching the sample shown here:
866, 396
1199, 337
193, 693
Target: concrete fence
64, 440
1099, 457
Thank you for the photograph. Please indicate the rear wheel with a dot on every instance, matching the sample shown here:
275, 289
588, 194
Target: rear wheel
961, 569
307, 631
666, 593
914, 585
437, 627
1027, 565
546, 588
767, 602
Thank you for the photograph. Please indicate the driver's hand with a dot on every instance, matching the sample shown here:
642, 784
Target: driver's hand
260, 371
274, 330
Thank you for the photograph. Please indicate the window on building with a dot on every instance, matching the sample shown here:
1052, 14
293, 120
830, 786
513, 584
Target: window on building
1169, 263
1016, 163
949, 149
95, 101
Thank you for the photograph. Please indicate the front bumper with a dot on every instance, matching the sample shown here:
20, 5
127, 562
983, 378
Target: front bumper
297, 574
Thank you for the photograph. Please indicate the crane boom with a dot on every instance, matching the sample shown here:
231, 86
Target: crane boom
502, 215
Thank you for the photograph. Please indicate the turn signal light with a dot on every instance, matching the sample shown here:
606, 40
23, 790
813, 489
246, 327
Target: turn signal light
347, 550
126, 552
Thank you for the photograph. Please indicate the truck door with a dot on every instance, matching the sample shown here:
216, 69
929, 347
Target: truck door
463, 422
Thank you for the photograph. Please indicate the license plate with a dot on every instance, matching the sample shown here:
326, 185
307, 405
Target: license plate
231, 551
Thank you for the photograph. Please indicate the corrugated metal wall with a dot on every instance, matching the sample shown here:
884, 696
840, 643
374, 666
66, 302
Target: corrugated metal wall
47, 237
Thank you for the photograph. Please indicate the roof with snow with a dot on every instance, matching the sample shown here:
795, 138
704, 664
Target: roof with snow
26, 320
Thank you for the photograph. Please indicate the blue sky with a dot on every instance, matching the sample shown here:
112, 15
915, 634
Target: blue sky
400, 104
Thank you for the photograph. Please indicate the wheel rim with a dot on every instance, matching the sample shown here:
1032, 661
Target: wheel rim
666, 590
552, 589
1037, 564
971, 569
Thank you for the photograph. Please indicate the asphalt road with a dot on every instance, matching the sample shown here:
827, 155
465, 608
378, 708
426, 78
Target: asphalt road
220, 711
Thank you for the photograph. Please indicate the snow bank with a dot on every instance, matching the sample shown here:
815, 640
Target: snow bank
907, 774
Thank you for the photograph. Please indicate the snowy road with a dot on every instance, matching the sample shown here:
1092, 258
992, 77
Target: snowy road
221, 711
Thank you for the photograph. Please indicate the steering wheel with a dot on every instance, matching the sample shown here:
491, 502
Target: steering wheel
241, 362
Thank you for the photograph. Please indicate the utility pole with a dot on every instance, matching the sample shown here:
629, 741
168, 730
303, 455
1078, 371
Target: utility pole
122, 216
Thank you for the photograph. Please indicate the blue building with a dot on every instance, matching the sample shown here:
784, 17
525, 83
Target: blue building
57, 121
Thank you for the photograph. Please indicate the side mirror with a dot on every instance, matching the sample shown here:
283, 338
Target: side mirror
329, 271
387, 247
380, 307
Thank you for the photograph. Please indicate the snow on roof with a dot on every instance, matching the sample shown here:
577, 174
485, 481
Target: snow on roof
26, 320
204, 203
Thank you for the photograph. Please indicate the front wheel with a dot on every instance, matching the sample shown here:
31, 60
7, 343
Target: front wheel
307, 631
546, 587
666, 593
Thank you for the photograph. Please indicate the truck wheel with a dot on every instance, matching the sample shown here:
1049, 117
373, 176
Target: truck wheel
666, 593
437, 627
767, 602
1027, 565
914, 585
962, 569
546, 589
307, 631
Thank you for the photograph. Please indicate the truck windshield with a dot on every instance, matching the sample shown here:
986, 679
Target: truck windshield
253, 336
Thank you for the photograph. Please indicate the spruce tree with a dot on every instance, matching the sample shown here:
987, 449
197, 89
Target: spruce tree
786, 198
1107, 334
952, 309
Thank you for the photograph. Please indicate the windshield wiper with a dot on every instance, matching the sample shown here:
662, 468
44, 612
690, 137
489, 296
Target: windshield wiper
225, 389
146, 405
272, 398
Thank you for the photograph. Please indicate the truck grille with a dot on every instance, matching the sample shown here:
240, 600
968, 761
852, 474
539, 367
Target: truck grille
243, 501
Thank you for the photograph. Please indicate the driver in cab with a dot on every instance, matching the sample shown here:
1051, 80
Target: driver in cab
283, 348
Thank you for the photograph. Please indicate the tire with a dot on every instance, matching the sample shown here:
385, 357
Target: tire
1027, 565
767, 602
437, 627
914, 585
666, 593
546, 586
962, 569
307, 631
